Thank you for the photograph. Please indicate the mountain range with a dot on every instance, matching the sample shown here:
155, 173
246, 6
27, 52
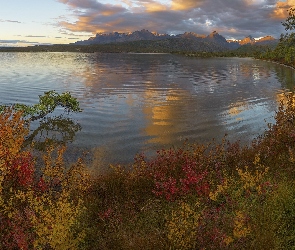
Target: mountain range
191, 40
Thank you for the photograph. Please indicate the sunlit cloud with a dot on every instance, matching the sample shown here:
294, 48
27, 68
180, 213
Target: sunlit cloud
155, 7
281, 9
237, 18
92, 6
255, 2
186, 4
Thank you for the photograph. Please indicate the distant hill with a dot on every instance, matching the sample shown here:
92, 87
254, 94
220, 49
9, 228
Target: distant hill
144, 41
187, 41
116, 37
249, 40
267, 40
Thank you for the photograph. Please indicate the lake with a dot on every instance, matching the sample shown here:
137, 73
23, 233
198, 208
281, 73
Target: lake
136, 103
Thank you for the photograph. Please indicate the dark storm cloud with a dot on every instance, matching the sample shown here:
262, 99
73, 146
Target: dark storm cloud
231, 18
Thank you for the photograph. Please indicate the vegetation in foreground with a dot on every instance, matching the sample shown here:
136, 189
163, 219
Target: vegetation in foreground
215, 196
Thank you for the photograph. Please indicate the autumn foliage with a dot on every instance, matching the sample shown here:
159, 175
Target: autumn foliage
38, 208
221, 195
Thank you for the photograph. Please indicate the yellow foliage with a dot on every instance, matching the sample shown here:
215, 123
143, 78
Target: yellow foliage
55, 174
50, 214
220, 190
13, 129
12, 132
54, 220
241, 227
252, 181
291, 155
182, 226
56, 211
228, 240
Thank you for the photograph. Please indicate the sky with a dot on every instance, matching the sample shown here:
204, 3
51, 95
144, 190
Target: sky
33, 22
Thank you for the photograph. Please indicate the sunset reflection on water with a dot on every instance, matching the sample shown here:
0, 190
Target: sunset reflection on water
133, 103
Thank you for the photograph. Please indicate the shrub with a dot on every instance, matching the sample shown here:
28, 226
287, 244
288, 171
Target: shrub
37, 212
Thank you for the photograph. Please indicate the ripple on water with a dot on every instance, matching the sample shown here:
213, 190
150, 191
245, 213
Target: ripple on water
140, 102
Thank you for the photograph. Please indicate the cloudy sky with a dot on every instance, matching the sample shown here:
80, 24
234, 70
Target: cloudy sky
25, 22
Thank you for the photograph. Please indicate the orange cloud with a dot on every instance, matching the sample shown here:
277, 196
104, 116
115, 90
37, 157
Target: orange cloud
153, 7
138, 6
281, 10
83, 25
87, 24
253, 2
186, 4
108, 12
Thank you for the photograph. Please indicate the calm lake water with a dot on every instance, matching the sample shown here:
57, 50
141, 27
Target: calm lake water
143, 102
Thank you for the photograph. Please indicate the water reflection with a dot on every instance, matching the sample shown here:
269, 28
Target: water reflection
169, 98
57, 130
135, 103
160, 115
